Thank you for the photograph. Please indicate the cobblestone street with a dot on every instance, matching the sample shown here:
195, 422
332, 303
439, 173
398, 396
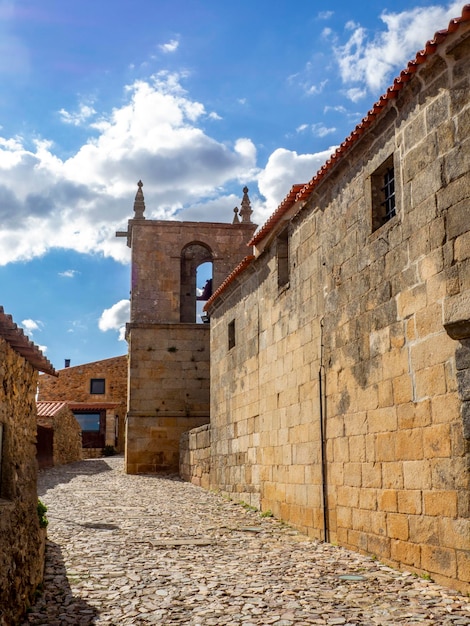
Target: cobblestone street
150, 550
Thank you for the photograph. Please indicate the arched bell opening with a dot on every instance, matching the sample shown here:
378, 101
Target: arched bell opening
193, 256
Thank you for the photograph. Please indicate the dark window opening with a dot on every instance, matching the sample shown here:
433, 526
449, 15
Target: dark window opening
231, 334
97, 385
282, 253
383, 194
93, 425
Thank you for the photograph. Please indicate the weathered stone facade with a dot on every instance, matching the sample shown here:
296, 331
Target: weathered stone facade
74, 386
168, 351
22, 542
340, 354
66, 434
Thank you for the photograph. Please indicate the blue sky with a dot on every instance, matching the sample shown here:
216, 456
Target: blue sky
195, 97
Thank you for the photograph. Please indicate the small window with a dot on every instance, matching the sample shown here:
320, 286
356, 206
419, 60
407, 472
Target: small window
282, 253
383, 194
231, 334
97, 385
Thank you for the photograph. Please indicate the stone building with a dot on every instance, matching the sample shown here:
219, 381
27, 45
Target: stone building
59, 436
168, 350
22, 541
96, 393
340, 349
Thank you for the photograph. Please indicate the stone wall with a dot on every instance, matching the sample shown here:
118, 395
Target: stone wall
195, 456
356, 335
73, 386
168, 392
21, 540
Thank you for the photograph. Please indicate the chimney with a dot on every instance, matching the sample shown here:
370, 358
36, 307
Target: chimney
67, 362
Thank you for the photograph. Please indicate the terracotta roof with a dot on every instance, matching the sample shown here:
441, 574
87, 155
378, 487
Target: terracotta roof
230, 278
90, 406
49, 409
302, 192
281, 210
23, 345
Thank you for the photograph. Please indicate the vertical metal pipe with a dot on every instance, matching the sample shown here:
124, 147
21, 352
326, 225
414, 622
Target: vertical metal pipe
323, 440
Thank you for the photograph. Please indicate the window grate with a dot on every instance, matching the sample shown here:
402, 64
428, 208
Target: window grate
388, 191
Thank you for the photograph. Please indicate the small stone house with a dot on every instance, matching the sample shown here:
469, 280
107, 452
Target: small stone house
22, 541
96, 393
340, 348
59, 438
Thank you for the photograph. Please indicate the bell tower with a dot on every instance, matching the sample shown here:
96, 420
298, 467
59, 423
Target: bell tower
169, 351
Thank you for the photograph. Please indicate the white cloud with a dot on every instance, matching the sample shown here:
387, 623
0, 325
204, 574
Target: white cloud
372, 60
78, 118
69, 273
30, 326
325, 15
284, 169
169, 47
78, 203
115, 318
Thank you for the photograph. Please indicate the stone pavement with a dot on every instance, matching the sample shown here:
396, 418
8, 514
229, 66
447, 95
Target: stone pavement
143, 550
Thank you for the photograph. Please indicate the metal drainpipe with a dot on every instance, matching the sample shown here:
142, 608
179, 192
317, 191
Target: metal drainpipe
322, 402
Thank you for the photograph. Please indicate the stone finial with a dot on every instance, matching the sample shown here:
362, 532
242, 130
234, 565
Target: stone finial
139, 203
246, 211
235, 217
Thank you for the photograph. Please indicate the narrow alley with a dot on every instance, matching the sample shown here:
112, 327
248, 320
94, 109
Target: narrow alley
143, 550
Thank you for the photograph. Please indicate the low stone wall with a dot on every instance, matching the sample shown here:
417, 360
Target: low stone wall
195, 456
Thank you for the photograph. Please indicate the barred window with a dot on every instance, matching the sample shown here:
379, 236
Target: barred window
383, 194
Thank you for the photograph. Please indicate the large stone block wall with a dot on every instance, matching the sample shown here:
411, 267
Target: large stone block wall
21, 540
364, 313
73, 385
168, 392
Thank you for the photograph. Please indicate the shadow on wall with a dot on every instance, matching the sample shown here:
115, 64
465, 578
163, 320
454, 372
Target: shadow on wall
62, 474
57, 602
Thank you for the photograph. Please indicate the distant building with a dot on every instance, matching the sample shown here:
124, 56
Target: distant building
96, 393
22, 541
59, 437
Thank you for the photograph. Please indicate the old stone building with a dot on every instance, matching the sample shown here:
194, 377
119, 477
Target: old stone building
59, 435
22, 541
96, 393
340, 349
168, 350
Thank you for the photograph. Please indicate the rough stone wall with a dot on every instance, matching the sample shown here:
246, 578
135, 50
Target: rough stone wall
21, 540
364, 313
67, 436
168, 392
195, 456
73, 385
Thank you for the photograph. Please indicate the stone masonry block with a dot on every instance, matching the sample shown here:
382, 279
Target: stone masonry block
397, 526
417, 474
437, 441
440, 503
410, 502
439, 560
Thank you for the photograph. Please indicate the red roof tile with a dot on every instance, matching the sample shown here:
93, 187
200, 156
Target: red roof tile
230, 278
49, 409
23, 345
